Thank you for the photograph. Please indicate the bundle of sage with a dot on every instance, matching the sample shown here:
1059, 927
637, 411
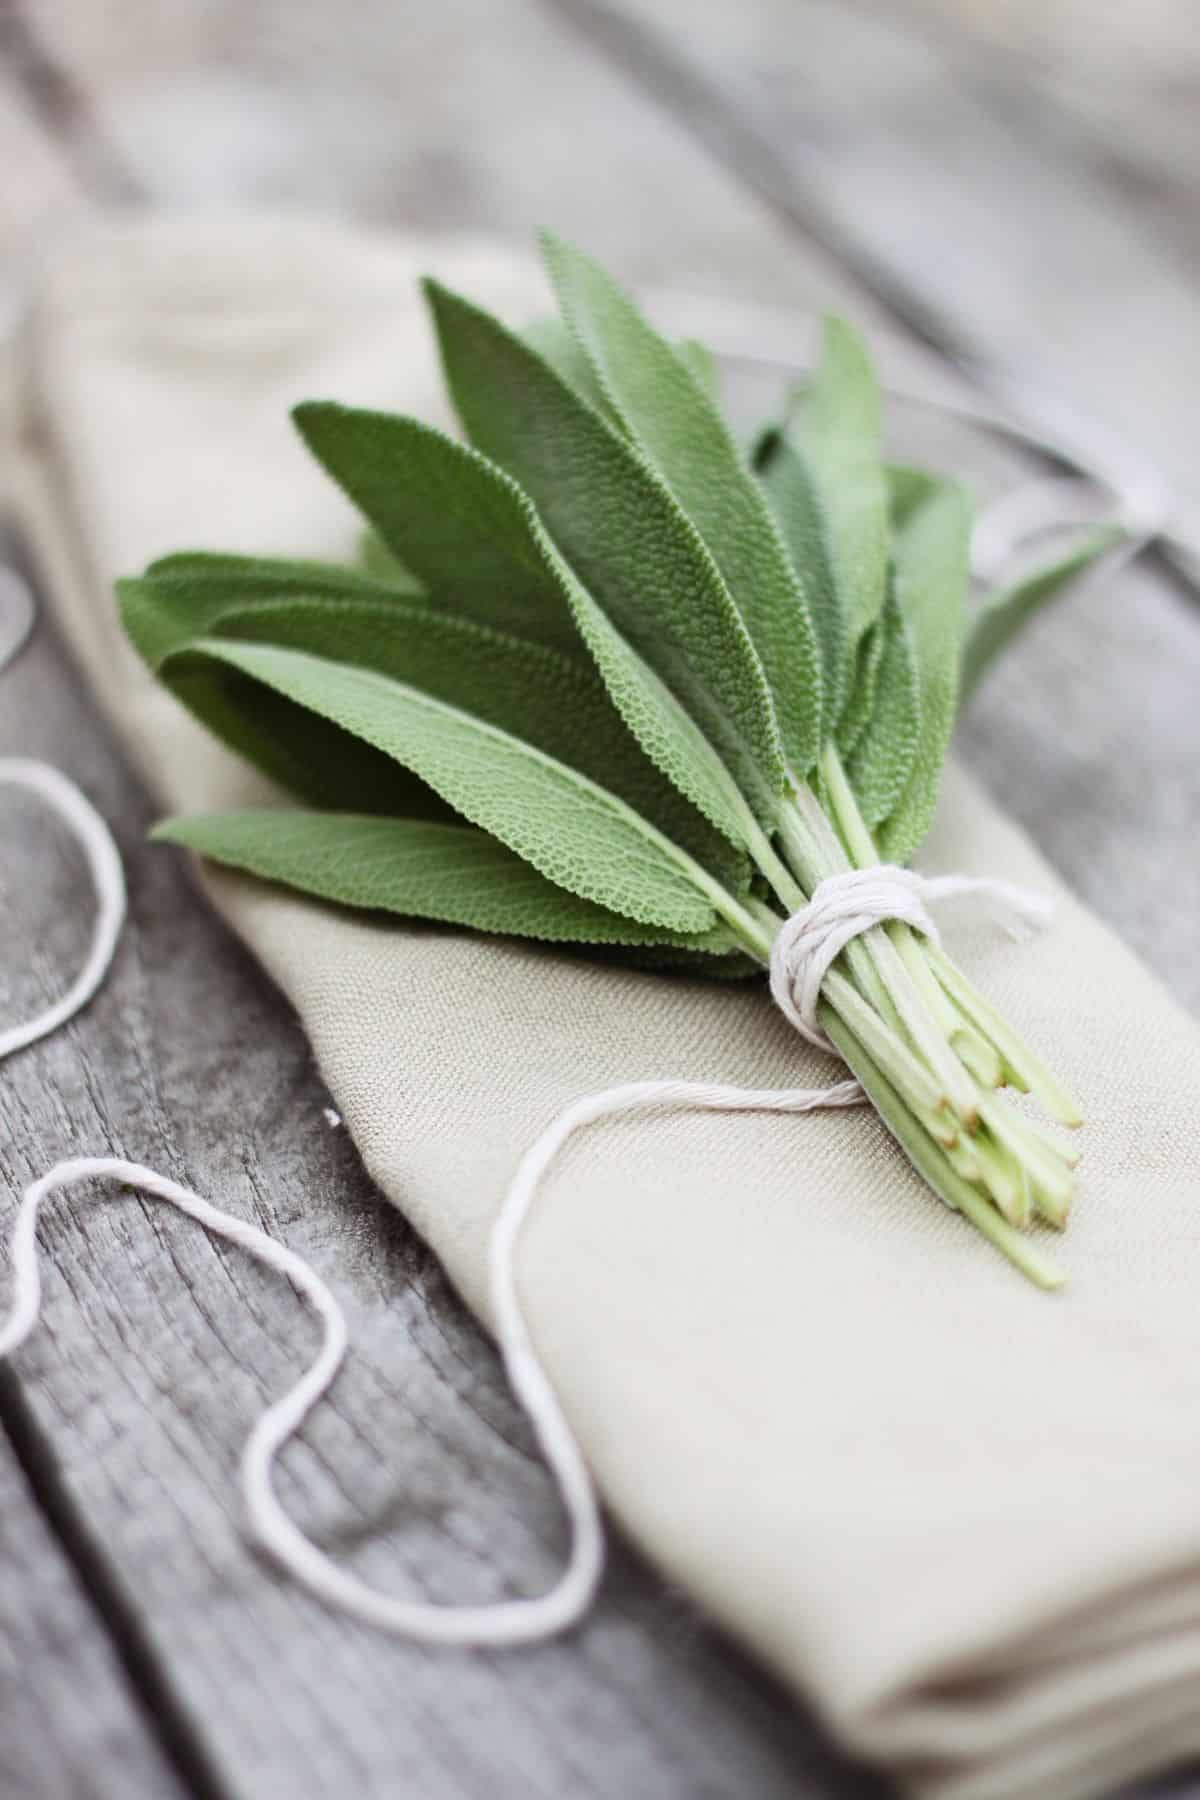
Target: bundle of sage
603, 679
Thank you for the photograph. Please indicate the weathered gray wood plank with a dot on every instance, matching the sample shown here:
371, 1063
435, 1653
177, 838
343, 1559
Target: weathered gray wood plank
69, 1723
1119, 87
73, 1721
988, 239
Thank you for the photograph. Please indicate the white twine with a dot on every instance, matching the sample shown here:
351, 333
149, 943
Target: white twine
108, 878
847, 904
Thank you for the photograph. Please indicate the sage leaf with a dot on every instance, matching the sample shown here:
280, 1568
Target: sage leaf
838, 428
309, 757
453, 874
576, 834
931, 551
558, 346
1006, 612
464, 530
618, 526
882, 760
675, 423
488, 554
285, 575
528, 690
701, 365
860, 707
180, 597
790, 485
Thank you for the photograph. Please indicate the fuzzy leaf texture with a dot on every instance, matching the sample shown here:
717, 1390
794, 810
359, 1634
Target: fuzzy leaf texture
651, 391
837, 431
573, 832
477, 541
619, 527
931, 522
451, 874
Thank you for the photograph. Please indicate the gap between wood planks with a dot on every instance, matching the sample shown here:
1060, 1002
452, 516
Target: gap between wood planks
948, 195
165, 1718
62, 115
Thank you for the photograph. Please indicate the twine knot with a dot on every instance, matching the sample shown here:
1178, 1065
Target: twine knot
846, 904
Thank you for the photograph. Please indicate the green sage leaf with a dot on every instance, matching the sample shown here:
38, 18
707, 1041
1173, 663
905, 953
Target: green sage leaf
618, 526
931, 546
838, 429
577, 834
309, 757
860, 707
701, 365
531, 692
487, 538
1007, 612
790, 484
882, 760
454, 874
675, 423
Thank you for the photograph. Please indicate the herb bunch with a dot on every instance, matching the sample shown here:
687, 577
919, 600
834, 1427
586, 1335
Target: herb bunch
602, 679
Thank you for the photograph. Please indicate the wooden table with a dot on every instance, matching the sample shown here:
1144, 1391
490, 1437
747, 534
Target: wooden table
934, 171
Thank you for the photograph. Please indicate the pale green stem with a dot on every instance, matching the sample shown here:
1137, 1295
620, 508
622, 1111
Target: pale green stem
933, 1163
924, 1030
1000, 1172
1032, 1074
894, 1058
1052, 1182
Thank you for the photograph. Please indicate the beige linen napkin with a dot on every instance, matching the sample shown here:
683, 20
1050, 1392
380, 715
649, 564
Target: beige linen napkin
962, 1516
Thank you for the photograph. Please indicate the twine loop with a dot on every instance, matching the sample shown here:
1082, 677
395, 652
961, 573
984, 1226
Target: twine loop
855, 900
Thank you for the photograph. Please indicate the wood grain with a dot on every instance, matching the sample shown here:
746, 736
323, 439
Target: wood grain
949, 198
70, 1723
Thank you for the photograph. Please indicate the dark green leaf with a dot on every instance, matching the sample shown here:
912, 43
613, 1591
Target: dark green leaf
882, 761
488, 536
675, 423
527, 690
616, 523
838, 429
931, 546
454, 874
577, 834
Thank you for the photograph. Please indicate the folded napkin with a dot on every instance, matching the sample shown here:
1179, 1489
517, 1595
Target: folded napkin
961, 1515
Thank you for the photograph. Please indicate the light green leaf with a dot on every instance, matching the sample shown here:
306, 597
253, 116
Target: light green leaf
1005, 613
466, 535
306, 755
932, 521
486, 534
623, 534
283, 575
882, 761
377, 560
838, 428
577, 834
860, 706
527, 690
454, 874
675, 423
180, 597
701, 365
551, 340
789, 482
